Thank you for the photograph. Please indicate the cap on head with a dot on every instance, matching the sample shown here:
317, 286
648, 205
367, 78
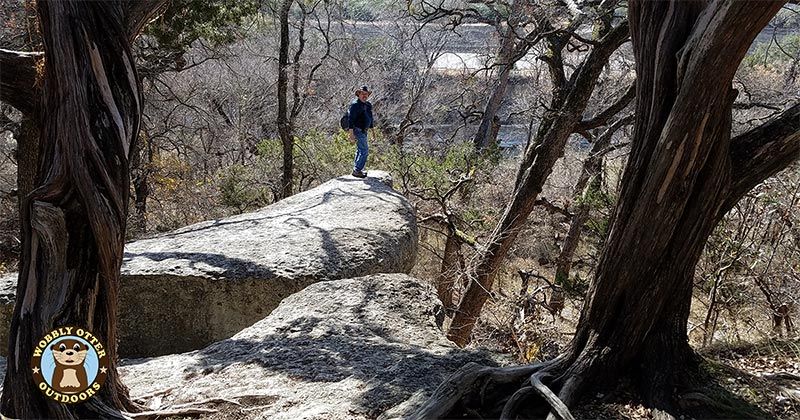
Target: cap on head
363, 89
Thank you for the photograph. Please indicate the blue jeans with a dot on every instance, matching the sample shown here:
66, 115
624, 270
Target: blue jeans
362, 149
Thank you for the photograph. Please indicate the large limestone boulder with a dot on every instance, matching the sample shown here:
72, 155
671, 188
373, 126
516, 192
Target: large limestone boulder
346, 349
186, 289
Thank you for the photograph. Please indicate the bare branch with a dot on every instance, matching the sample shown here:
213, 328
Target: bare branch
600, 146
18, 86
139, 13
18, 76
589, 71
604, 116
765, 150
552, 208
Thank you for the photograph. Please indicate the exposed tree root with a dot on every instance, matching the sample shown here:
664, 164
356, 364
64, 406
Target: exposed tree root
546, 389
217, 400
782, 375
474, 383
512, 405
484, 392
103, 410
792, 394
558, 406
695, 399
189, 408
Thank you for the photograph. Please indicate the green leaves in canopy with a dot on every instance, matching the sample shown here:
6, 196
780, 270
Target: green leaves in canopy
185, 21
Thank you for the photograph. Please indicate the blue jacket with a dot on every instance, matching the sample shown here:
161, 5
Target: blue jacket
361, 115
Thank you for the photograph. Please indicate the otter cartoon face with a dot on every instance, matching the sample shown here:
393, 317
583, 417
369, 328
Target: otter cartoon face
69, 352
69, 364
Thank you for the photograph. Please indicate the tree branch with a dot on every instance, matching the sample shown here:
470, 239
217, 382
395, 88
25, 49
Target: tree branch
139, 13
588, 72
18, 86
552, 208
765, 150
604, 116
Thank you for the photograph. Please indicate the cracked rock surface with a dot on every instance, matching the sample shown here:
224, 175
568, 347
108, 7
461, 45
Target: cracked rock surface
356, 348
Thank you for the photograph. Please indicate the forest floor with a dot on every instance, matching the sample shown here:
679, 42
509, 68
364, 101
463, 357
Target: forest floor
757, 378
749, 381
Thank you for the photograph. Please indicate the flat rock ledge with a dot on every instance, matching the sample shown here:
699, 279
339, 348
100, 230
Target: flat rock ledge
361, 348
191, 287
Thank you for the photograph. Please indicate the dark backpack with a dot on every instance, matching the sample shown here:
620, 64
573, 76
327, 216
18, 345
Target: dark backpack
344, 122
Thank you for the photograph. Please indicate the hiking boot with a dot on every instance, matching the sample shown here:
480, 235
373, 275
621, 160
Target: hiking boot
359, 174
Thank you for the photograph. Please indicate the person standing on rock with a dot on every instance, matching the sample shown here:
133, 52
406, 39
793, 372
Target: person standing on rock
360, 119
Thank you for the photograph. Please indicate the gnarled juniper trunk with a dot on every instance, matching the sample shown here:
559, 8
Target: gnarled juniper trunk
684, 173
677, 186
74, 220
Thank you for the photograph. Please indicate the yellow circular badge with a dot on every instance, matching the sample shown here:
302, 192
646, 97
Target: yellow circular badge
69, 364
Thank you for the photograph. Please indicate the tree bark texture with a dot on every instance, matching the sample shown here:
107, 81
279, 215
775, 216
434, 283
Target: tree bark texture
506, 58
74, 218
450, 269
18, 80
683, 173
27, 157
675, 188
141, 169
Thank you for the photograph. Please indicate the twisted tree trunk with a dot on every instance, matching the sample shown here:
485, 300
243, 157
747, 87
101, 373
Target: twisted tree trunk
27, 157
676, 188
19, 88
684, 173
74, 219
449, 271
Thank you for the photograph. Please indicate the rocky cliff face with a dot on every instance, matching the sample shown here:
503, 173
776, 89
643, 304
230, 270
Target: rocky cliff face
205, 282
358, 348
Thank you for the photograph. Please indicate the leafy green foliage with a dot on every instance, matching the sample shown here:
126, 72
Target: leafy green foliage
239, 188
595, 197
318, 157
423, 169
185, 21
598, 226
